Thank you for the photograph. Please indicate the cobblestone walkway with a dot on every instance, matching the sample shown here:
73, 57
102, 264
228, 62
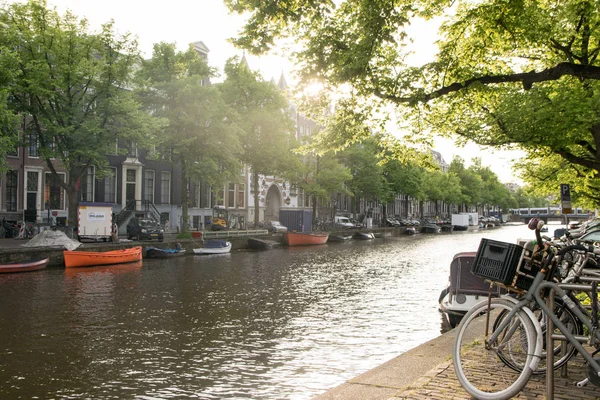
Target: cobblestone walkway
442, 384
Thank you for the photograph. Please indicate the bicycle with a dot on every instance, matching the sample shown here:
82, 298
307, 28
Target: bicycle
25, 231
501, 329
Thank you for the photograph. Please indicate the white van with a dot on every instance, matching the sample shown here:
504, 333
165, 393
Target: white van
344, 222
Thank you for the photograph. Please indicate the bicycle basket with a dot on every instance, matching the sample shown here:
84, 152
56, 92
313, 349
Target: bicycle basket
497, 261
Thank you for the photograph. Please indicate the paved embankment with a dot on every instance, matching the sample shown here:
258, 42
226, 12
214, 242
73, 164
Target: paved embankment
426, 372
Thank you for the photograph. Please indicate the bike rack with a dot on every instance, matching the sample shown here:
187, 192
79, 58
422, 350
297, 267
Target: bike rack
550, 349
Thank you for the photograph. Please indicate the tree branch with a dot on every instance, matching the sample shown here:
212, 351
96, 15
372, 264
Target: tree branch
526, 78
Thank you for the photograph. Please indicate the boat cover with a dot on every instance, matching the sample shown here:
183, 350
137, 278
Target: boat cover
463, 281
163, 250
215, 244
50, 238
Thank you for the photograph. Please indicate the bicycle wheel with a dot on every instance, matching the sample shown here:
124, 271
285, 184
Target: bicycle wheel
562, 354
478, 366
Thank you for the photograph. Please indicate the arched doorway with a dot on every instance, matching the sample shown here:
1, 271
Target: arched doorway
273, 204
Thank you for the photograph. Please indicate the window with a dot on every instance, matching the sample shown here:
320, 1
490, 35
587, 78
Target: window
165, 187
13, 152
220, 200
231, 196
130, 175
32, 181
87, 185
204, 195
300, 131
33, 145
149, 186
241, 196
53, 194
12, 182
132, 149
110, 187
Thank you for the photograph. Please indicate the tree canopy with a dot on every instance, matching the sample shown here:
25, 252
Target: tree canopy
261, 114
71, 87
513, 74
199, 135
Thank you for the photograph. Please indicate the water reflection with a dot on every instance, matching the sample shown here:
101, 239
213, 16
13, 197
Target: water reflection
286, 323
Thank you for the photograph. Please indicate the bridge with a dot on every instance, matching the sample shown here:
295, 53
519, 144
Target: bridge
563, 218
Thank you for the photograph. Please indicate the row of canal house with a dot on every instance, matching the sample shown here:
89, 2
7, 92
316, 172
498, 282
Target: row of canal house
149, 187
154, 187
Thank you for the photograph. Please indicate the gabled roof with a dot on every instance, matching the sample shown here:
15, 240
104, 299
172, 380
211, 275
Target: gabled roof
282, 82
200, 47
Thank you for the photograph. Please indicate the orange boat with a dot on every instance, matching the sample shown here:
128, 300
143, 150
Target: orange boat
91, 258
304, 239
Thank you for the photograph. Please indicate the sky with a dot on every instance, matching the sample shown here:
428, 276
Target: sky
185, 21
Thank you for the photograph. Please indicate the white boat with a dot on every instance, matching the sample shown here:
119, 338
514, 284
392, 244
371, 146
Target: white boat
214, 247
464, 289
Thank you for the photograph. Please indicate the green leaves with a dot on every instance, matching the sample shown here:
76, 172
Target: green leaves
509, 73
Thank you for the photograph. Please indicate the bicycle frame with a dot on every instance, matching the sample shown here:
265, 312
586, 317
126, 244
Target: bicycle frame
534, 294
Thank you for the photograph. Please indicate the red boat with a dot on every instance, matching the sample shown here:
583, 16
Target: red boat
304, 239
91, 258
24, 266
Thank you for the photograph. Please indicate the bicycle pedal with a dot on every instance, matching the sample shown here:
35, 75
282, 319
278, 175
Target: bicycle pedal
582, 383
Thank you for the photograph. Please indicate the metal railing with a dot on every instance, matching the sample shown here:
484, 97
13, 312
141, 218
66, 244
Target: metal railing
233, 234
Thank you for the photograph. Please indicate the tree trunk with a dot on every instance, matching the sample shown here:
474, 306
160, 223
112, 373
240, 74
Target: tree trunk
185, 198
314, 207
73, 220
256, 198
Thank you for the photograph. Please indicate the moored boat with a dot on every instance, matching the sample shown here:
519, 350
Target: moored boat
339, 238
92, 258
214, 247
262, 244
464, 289
364, 235
410, 230
304, 239
24, 266
430, 228
154, 252
460, 227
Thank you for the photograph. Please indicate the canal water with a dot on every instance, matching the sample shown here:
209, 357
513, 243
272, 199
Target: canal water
287, 323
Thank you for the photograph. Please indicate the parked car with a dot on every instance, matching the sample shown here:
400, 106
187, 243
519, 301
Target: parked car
344, 222
275, 227
144, 229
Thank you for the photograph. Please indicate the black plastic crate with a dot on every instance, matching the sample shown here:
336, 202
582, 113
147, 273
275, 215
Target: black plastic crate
497, 261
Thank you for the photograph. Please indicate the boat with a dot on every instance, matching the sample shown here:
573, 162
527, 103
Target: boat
304, 239
364, 235
338, 238
430, 228
262, 244
24, 266
460, 227
112, 269
214, 247
379, 234
410, 230
91, 258
464, 289
155, 252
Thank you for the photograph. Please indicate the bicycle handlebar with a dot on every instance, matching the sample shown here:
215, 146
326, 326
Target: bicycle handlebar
565, 250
